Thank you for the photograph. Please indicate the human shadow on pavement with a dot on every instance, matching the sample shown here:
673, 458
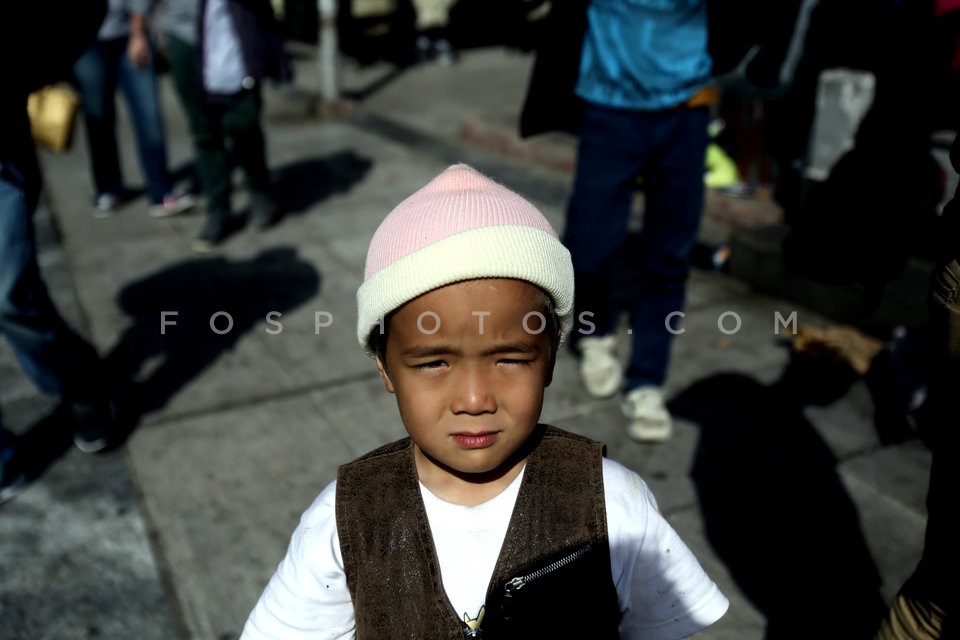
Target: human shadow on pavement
774, 507
153, 361
43, 442
300, 185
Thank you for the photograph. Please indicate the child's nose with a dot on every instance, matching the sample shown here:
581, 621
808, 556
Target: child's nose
473, 393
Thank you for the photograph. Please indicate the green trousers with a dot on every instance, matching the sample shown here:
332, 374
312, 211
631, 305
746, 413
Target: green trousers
224, 131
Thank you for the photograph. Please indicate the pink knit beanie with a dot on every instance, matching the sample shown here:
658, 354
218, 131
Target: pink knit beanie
461, 226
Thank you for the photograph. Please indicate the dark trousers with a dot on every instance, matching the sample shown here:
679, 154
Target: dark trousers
223, 130
666, 149
53, 356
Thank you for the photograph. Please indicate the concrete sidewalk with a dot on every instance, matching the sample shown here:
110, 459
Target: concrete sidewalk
176, 534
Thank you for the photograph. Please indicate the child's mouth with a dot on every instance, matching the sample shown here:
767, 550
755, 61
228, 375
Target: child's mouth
475, 440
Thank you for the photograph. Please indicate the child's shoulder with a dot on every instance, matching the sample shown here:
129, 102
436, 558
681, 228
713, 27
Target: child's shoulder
322, 508
549, 438
629, 501
551, 432
616, 476
388, 467
622, 481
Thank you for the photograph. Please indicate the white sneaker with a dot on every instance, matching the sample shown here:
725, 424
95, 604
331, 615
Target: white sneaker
172, 204
600, 369
647, 415
106, 205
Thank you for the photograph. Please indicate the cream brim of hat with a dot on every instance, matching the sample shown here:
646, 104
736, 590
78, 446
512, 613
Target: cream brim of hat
501, 251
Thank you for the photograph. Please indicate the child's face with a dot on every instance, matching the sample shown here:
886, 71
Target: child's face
469, 399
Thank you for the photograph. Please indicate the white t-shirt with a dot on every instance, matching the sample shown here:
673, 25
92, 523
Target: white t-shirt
663, 592
223, 67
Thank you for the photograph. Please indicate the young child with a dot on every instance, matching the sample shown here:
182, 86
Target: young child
483, 523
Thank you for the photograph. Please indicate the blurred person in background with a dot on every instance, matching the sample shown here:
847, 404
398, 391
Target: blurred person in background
123, 56
39, 40
220, 51
925, 607
645, 115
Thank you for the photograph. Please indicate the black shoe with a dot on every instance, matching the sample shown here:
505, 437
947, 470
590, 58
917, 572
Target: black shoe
214, 230
12, 487
263, 209
12, 478
443, 52
94, 425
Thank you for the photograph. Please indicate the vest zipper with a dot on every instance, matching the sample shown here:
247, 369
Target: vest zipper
515, 584
519, 582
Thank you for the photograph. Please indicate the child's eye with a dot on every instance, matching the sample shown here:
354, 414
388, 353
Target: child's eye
433, 364
515, 361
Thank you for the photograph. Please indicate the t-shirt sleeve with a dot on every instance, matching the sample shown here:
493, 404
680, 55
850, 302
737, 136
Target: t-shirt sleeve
307, 597
663, 591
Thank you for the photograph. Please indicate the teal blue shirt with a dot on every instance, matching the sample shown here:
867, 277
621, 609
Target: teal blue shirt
644, 54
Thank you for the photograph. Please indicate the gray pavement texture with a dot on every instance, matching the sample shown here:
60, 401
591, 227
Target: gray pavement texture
788, 500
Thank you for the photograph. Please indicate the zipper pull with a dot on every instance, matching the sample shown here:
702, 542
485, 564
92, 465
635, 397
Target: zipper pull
506, 607
515, 584
471, 628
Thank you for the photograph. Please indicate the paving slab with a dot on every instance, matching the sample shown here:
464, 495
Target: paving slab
75, 557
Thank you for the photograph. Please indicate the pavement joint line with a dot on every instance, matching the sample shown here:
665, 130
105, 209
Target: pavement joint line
285, 394
870, 450
165, 570
849, 477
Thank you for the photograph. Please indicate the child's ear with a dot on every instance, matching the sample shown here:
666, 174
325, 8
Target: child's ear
554, 347
549, 377
382, 368
548, 374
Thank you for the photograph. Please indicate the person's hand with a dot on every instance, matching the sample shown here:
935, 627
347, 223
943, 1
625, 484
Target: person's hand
138, 49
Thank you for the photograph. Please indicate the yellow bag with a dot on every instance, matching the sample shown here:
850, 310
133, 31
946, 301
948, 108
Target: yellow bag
53, 112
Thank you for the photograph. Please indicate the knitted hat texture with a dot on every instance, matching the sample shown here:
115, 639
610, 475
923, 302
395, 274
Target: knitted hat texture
461, 226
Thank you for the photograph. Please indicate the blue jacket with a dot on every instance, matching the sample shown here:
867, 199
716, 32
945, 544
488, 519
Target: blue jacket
644, 54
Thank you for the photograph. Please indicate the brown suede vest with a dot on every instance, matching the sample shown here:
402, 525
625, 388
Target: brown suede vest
556, 544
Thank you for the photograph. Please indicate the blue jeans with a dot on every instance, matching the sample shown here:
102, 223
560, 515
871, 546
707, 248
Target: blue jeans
666, 149
53, 356
98, 72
